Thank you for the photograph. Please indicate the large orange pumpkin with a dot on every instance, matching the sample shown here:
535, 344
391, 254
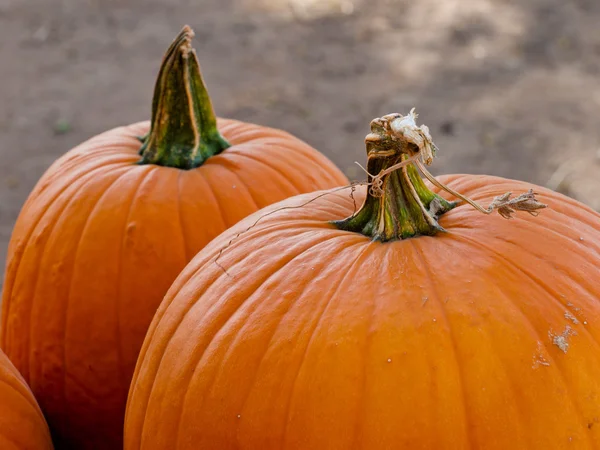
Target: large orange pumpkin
103, 235
299, 329
22, 425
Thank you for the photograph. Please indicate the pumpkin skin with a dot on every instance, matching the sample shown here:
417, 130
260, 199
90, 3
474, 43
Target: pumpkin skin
99, 242
22, 425
304, 336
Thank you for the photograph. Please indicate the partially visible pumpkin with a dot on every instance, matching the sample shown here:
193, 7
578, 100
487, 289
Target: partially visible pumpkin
300, 329
105, 232
22, 425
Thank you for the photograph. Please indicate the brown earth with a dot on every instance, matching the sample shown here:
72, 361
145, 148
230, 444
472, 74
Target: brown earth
509, 88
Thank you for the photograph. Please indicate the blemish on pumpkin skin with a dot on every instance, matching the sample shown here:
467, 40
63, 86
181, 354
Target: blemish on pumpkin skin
539, 358
131, 227
571, 317
562, 340
577, 312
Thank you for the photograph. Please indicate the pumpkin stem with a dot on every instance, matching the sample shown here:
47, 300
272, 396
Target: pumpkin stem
398, 204
183, 131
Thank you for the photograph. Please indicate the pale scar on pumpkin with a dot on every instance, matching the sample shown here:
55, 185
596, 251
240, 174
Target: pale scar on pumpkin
562, 340
539, 358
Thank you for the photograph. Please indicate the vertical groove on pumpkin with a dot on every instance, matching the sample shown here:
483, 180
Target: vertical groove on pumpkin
243, 185
142, 178
552, 294
65, 340
373, 297
312, 329
556, 362
291, 303
461, 376
283, 180
215, 200
252, 290
78, 182
187, 257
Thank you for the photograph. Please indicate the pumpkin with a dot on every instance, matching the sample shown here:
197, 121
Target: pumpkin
22, 425
410, 322
106, 231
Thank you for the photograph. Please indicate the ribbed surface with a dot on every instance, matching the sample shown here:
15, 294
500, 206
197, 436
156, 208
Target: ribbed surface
22, 425
97, 245
314, 338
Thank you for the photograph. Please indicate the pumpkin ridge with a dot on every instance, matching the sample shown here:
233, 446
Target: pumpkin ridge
316, 161
285, 180
218, 176
18, 387
340, 249
553, 294
180, 220
556, 223
56, 219
588, 225
317, 165
559, 371
556, 197
198, 358
187, 276
259, 286
550, 217
551, 360
359, 428
215, 200
169, 298
70, 289
81, 165
302, 359
466, 419
31, 229
576, 406
513, 267
142, 178
25, 242
10, 440
227, 166
499, 184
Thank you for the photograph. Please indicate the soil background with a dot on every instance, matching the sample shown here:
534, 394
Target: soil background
509, 88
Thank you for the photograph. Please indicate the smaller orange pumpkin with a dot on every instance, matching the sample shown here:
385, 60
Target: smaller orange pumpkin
109, 227
22, 425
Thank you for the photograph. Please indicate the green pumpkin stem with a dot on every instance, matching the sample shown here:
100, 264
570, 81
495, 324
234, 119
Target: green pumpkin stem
183, 131
399, 205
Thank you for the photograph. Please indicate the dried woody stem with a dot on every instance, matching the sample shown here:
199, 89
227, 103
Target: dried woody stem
398, 204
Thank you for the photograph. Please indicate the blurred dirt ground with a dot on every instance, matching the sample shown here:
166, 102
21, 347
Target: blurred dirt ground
509, 88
